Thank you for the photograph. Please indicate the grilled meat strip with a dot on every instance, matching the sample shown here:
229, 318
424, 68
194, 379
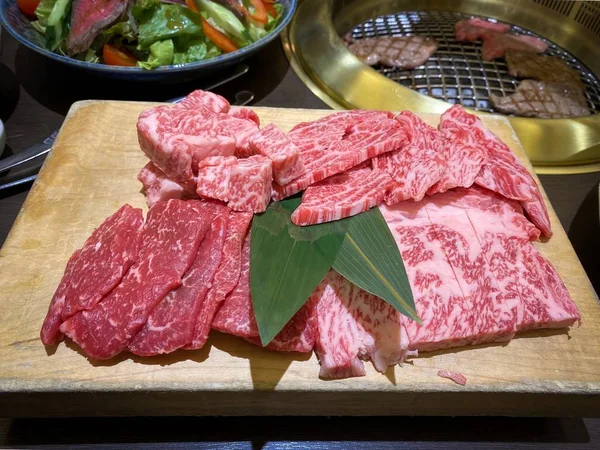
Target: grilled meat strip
547, 100
405, 52
524, 64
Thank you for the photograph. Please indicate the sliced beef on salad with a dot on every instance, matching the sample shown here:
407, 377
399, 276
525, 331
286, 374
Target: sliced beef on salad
153, 33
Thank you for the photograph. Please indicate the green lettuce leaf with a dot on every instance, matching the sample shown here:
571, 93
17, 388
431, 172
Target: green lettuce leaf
121, 31
161, 54
57, 24
43, 10
161, 22
196, 49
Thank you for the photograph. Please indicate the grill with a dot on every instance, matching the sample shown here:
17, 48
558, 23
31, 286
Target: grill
456, 73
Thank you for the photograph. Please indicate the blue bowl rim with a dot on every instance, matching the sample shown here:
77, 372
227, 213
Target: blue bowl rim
232, 57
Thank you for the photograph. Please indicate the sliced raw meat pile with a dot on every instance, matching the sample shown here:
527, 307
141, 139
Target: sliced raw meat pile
339, 142
158, 187
472, 270
342, 195
524, 64
404, 52
95, 269
89, 18
177, 137
414, 167
226, 278
169, 243
275, 145
244, 184
236, 317
496, 44
171, 323
470, 30
354, 325
547, 100
503, 172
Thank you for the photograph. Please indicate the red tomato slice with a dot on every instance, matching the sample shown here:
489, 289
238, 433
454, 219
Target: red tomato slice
218, 38
117, 57
28, 7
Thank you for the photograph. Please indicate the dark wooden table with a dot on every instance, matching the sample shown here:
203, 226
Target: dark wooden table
35, 95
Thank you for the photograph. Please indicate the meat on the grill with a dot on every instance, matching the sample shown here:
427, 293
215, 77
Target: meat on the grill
404, 52
472, 29
495, 44
526, 64
547, 100
89, 18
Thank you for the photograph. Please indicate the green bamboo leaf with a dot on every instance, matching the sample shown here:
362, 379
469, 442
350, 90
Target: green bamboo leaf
369, 257
287, 263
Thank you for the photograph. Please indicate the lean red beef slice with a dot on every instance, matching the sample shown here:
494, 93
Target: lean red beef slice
226, 278
354, 325
343, 195
502, 172
95, 269
89, 18
415, 166
158, 187
244, 184
236, 316
470, 30
170, 239
271, 142
339, 142
171, 323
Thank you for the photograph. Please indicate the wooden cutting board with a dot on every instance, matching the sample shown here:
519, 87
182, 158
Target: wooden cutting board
92, 171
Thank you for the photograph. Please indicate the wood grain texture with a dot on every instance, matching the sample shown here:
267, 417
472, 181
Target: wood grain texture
92, 171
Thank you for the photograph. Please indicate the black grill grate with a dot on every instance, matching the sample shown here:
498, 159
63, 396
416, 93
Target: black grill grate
456, 73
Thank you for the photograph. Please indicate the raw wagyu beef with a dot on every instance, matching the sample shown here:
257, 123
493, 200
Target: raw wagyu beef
343, 195
171, 323
271, 142
177, 137
339, 142
502, 171
159, 187
236, 316
354, 325
226, 278
475, 275
244, 184
95, 269
89, 18
169, 244
415, 166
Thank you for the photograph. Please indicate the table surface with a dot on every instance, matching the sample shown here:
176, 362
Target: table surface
35, 95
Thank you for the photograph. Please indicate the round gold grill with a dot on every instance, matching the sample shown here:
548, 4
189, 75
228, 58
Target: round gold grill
456, 72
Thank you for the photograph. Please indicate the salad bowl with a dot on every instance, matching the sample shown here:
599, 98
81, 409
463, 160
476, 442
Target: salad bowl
21, 28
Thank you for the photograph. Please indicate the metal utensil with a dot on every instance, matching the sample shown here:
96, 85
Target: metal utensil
41, 148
